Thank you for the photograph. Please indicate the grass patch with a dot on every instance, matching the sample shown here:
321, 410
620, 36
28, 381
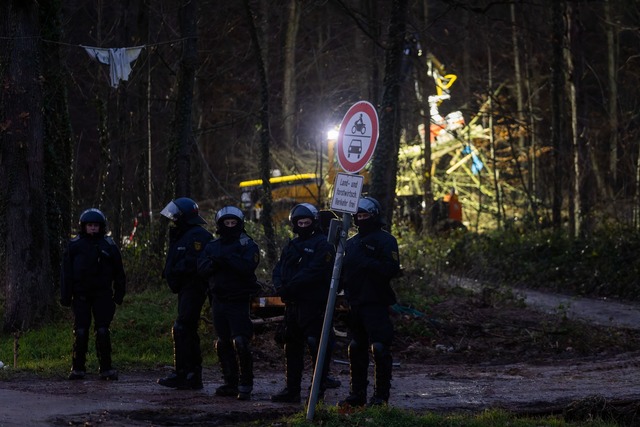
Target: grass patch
391, 417
140, 333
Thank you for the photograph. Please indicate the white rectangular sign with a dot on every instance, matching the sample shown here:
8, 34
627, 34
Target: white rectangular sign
346, 193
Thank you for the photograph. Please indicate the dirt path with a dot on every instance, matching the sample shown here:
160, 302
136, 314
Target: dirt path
598, 312
521, 387
137, 400
602, 312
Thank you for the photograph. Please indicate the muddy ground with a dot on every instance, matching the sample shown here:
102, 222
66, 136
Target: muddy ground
544, 354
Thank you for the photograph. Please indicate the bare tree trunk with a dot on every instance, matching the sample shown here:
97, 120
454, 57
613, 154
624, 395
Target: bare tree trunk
290, 90
613, 95
385, 160
105, 151
178, 181
521, 83
123, 140
574, 188
25, 269
533, 144
515, 35
117, 174
370, 88
557, 90
265, 163
184, 105
421, 72
580, 143
492, 145
58, 137
636, 195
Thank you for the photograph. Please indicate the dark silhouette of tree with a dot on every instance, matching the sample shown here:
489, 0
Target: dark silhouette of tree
557, 116
385, 158
184, 106
58, 136
25, 268
290, 88
265, 164
181, 143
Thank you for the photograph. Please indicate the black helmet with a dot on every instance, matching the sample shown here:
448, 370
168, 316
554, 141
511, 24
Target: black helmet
230, 212
369, 205
372, 207
303, 210
93, 215
183, 210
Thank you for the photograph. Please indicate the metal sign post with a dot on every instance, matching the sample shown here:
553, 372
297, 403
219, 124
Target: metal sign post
328, 316
357, 137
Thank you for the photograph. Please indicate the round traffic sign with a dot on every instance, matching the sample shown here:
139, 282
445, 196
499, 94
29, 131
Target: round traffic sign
358, 137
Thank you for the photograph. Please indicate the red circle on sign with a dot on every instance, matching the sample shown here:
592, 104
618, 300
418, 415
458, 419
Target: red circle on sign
354, 132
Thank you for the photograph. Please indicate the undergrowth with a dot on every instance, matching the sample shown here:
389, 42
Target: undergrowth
604, 265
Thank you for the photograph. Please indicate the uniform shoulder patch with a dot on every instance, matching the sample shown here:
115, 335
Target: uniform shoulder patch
197, 246
110, 240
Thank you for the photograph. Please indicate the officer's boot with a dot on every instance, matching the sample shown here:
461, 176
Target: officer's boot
103, 350
79, 356
331, 382
229, 368
312, 345
383, 364
179, 373
358, 367
193, 380
193, 365
294, 355
245, 362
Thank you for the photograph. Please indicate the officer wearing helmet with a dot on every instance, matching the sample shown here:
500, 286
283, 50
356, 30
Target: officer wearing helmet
229, 263
93, 282
302, 277
187, 239
370, 262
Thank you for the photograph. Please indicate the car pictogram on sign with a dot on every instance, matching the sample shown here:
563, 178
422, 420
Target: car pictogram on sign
355, 147
357, 137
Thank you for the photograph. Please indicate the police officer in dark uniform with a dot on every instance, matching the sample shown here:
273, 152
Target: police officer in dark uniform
93, 282
187, 239
229, 262
371, 260
302, 278
325, 217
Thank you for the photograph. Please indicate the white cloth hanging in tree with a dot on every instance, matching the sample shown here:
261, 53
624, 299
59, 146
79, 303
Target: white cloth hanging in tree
119, 60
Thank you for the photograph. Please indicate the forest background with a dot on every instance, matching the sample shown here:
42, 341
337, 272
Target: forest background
223, 92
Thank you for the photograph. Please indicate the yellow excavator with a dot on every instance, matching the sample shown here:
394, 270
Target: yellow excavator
456, 163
